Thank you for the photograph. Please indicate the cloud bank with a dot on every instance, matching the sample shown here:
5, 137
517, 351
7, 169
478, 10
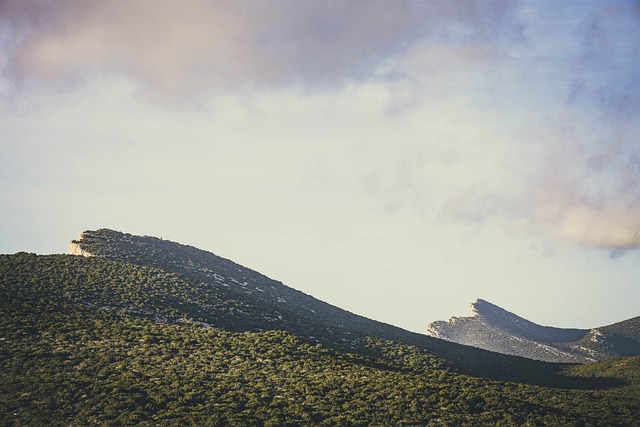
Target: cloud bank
181, 48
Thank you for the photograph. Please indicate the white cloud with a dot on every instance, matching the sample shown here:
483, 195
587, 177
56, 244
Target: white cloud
615, 226
583, 184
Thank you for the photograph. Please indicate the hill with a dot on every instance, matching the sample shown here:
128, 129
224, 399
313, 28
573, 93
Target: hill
236, 298
95, 340
493, 328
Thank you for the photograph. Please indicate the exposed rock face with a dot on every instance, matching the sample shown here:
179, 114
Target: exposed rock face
75, 248
493, 328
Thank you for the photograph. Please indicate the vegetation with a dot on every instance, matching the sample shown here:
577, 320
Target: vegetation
93, 341
218, 291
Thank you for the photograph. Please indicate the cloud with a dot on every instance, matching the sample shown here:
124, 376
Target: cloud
586, 189
178, 49
606, 70
575, 74
615, 226
585, 185
573, 179
552, 65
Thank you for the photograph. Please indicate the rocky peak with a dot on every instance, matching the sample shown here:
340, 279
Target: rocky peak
75, 248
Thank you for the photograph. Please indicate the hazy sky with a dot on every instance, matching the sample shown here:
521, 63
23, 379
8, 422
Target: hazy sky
396, 158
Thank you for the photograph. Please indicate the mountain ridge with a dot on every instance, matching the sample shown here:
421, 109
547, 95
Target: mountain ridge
493, 328
141, 331
250, 301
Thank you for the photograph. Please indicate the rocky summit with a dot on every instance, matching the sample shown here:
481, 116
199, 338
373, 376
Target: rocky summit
493, 328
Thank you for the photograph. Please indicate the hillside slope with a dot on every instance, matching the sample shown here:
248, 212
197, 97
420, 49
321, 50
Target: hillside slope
236, 298
493, 328
89, 340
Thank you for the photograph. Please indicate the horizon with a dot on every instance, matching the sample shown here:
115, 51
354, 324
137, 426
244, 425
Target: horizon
396, 159
468, 313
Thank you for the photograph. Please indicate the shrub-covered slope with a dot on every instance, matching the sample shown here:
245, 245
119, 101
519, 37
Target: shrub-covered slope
95, 341
237, 298
493, 328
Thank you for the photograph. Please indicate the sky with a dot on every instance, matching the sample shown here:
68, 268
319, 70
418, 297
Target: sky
399, 159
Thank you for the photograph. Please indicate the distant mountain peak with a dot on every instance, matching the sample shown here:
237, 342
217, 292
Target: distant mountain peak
493, 328
500, 317
481, 303
485, 308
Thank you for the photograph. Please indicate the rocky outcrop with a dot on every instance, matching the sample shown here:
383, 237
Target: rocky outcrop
493, 328
75, 248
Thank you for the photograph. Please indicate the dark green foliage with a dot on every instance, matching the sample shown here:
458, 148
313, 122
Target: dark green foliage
237, 298
93, 341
